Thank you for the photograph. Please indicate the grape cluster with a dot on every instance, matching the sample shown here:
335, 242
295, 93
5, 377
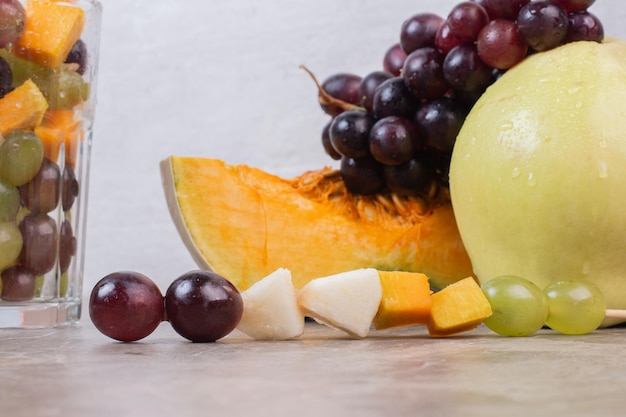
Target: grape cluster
37, 194
520, 308
201, 306
394, 129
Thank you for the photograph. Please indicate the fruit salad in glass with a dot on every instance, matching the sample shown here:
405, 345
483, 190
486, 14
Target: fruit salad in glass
48, 61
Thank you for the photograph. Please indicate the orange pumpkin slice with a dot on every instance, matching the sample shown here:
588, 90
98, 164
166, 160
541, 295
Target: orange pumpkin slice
245, 223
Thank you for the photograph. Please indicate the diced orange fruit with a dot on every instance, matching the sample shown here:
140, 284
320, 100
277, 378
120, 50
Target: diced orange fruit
406, 299
60, 127
51, 30
22, 108
457, 308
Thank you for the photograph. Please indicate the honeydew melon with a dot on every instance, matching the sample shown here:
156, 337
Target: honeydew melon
538, 171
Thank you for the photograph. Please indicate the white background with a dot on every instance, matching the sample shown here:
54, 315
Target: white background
220, 79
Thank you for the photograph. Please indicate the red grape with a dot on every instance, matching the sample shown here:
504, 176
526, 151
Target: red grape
465, 71
41, 194
393, 98
500, 45
467, 19
349, 133
18, 284
394, 60
368, 87
439, 122
393, 140
362, 175
423, 73
327, 145
78, 55
126, 306
203, 306
445, 39
411, 177
419, 31
502, 9
344, 87
39, 250
584, 26
543, 25
574, 5
12, 22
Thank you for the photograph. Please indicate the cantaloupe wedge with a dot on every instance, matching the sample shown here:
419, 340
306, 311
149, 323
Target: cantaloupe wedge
245, 223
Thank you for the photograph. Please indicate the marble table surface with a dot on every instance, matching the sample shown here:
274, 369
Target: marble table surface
76, 371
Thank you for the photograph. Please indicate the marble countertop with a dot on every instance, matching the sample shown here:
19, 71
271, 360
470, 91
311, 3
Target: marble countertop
76, 371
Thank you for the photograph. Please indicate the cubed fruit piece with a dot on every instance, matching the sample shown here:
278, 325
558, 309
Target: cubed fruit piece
22, 108
51, 30
406, 299
457, 308
60, 127
347, 301
270, 308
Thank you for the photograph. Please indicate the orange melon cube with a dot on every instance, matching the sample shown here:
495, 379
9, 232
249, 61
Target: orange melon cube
51, 30
457, 308
406, 299
22, 108
60, 127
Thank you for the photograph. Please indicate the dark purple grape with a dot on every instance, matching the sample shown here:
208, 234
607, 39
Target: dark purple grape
78, 55
410, 178
70, 188
441, 162
344, 87
393, 140
500, 44
349, 133
394, 59
67, 245
466, 19
445, 40
41, 194
12, 22
584, 26
328, 146
439, 122
423, 73
203, 306
465, 71
393, 98
502, 9
362, 175
419, 31
18, 284
126, 306
368, 87
39, 249
6, 77
543, 25
574, 5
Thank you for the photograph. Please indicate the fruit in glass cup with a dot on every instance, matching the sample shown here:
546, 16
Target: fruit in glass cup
44, 84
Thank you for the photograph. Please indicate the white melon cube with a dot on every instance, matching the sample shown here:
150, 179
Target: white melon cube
270, 309
347, 301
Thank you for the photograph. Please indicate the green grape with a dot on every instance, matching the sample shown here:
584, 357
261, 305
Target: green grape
63, 88
519, 306
575, 307
9, 202
21, 155
10, 244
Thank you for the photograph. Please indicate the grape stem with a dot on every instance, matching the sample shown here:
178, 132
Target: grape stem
615, 314
326, 99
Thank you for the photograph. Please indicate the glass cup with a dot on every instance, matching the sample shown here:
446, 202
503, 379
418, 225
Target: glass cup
49, 58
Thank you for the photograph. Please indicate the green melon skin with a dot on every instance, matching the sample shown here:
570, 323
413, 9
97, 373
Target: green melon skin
538, 172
